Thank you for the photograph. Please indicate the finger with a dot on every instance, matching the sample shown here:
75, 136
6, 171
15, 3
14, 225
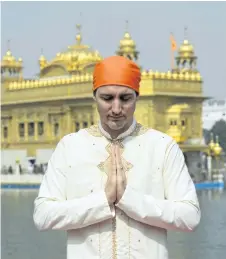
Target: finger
119, 163
120, 168
113, 161
120, 187
120, 180
118, 160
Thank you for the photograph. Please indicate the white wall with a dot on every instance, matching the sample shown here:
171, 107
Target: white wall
213, 111
43, 155
9, 157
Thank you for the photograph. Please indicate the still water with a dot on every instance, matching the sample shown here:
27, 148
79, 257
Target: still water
21, 240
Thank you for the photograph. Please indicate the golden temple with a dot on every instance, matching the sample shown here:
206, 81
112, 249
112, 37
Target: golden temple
37, 113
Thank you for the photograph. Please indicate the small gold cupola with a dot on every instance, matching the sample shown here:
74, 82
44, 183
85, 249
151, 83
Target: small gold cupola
11, 69
42, 60
127, 46
186, 60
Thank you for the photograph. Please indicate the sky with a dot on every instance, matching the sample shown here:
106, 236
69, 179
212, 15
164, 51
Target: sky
51, 26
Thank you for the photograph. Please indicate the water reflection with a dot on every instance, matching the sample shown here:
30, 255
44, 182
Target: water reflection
210, 194
21, 240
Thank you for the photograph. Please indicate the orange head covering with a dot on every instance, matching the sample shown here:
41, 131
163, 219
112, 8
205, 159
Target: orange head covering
117, 70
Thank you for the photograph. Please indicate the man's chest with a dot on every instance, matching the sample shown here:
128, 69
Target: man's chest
88, 168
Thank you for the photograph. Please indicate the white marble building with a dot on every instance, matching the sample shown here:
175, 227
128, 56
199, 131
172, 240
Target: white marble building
213, 110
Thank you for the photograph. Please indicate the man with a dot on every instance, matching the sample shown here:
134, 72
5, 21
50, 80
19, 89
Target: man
117, 187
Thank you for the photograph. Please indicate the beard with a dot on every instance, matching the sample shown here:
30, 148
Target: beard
116, 124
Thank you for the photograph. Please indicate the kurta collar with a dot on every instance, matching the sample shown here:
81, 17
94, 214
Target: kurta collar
121, 136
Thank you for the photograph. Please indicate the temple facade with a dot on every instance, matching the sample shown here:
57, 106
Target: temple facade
37, 113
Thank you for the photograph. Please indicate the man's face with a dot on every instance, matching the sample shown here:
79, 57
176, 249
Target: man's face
116, 106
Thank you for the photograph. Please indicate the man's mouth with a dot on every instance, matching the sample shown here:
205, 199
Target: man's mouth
116, 118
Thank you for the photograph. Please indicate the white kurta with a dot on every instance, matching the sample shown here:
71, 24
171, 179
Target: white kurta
160, 195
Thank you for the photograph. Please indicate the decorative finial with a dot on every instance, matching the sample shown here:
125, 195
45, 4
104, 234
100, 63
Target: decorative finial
78, 36
211, 136
217, 148
217, 139
185, 32
127, 25
8, 44
42, 58
79, 26
211, 143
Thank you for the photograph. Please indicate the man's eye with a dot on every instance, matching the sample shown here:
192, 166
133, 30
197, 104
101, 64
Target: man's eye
107, 98
125, 99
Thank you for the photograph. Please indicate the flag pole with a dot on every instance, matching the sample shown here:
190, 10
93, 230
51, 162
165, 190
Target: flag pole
172, 49
172, 59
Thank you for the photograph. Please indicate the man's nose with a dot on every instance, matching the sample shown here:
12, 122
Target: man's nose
116, 107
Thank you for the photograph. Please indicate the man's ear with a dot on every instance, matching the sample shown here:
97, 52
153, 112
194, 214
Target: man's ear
94, 95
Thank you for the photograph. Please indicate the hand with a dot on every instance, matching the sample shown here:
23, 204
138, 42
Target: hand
110, 188
120, 176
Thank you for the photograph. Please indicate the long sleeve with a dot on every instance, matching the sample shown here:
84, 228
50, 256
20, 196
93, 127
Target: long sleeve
51, 208
180, 208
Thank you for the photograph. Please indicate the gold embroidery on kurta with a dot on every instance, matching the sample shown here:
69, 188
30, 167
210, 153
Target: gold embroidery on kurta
94, 131
129, 237
99, 241
105, 166
139, 130
114, 241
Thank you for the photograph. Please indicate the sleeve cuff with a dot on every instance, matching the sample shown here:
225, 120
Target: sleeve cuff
128, 199
138, 206
99, 200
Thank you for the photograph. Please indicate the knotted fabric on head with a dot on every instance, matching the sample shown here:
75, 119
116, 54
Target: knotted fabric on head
117, 70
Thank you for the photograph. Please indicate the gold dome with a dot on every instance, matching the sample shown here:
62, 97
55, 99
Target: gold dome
186, 49
217, 148
10, 61
78, 38
127, 46
9, 57
186, 60
178, 108
127, 41
77, 56
42, 58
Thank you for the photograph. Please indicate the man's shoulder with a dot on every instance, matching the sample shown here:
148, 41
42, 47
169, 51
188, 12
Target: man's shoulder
155, 135
80, 135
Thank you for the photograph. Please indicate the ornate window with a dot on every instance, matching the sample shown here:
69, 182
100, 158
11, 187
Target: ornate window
21, 130
31, 129
77, 126
5, 132
183, 123
91, 120
40, 128
173, 122
85, 124
56, 128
